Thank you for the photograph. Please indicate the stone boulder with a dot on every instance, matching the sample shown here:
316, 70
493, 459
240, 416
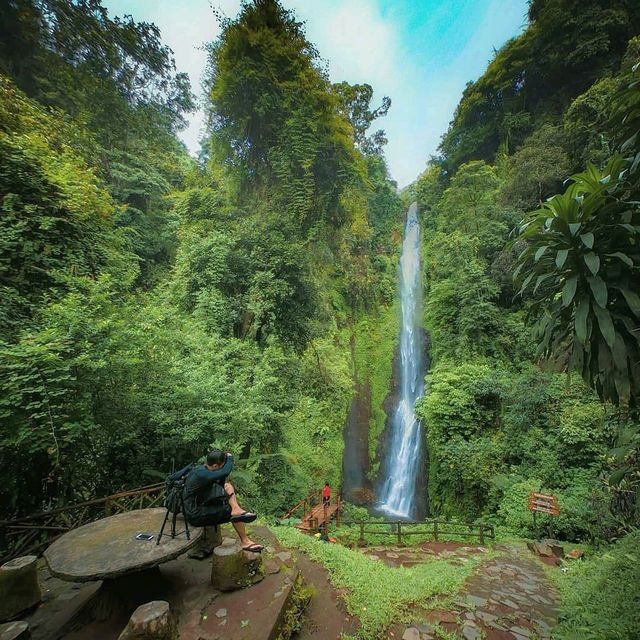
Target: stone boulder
232, 568
548, 548
19, 588
151, 621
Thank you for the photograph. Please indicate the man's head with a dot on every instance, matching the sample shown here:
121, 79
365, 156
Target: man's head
215, 459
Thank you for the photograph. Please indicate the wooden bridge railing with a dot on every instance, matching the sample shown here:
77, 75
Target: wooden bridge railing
32, 534
433, 527
317, 517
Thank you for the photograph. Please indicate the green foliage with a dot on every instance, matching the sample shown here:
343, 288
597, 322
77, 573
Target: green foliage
115, 79
155, 308
375, 340
378, 594
58, 222
577, 520
274, 118
564, 49
538, 168
586, 120
600, 594
354, 104
580, 269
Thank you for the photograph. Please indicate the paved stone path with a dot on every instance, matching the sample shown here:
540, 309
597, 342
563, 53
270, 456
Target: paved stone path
508, 597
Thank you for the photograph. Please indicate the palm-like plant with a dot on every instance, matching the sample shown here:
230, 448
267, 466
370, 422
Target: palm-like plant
583, 274
581, 266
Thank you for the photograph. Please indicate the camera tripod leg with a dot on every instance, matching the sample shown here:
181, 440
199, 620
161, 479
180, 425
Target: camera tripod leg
184, 515
173, 525
164, 523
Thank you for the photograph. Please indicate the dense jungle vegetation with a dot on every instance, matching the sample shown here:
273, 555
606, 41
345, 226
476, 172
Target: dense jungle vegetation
531, 258
154, 305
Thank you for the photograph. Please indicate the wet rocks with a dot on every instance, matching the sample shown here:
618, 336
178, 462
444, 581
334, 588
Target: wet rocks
411, 633
547, 548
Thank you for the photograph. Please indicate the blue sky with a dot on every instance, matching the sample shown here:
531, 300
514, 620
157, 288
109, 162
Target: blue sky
420, 53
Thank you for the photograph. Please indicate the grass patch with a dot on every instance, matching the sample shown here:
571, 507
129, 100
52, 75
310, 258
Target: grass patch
601, 594
377, 594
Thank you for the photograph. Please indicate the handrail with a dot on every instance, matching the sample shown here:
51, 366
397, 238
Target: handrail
312, 513
485, 530
150, 488
303, 502
33, 533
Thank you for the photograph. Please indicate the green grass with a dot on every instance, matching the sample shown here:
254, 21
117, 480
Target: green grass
377, 594
601, 594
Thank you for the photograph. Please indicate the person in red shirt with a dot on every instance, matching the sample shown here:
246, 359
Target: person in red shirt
326, 493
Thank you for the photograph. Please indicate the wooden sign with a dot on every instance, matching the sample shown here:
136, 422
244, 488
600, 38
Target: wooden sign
544, 504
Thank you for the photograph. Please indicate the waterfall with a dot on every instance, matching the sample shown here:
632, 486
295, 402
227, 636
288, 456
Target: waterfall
398, 488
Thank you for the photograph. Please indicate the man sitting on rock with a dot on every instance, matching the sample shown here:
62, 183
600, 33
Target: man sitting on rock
210, 500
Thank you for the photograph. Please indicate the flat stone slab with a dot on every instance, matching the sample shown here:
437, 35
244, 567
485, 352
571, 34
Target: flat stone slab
108, 548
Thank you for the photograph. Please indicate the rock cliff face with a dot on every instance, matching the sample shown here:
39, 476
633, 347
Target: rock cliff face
356, 486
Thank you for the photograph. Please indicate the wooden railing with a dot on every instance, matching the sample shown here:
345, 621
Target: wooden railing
315, 513
31, 535
434, 528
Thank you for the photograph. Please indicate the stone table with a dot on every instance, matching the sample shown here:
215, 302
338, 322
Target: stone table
107, 550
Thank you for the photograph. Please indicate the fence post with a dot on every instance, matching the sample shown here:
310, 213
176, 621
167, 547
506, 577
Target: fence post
481, 533
304, 515
435, 530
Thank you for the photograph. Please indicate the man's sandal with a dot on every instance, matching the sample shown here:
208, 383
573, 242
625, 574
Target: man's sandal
245, 516
253, 548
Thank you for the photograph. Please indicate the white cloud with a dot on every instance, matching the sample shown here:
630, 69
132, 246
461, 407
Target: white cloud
353, 36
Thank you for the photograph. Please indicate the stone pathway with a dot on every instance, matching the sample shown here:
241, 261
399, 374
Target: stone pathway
455, 552
507, 598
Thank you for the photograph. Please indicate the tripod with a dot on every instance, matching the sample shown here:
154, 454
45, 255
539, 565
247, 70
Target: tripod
174, 506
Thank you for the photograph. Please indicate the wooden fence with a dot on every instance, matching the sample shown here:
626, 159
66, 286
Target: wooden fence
33, 534
434, 528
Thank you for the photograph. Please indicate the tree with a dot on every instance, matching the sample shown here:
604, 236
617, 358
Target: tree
355, 100
273, 118
584, 255
581, 270
538, 168
565, 48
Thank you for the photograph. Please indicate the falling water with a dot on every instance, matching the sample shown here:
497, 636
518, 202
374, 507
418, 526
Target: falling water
398, 490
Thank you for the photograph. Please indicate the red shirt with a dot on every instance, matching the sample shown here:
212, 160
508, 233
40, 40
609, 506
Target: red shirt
326, 492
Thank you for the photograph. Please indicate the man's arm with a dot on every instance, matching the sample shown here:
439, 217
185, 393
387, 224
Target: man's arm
183, 472
222, 472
